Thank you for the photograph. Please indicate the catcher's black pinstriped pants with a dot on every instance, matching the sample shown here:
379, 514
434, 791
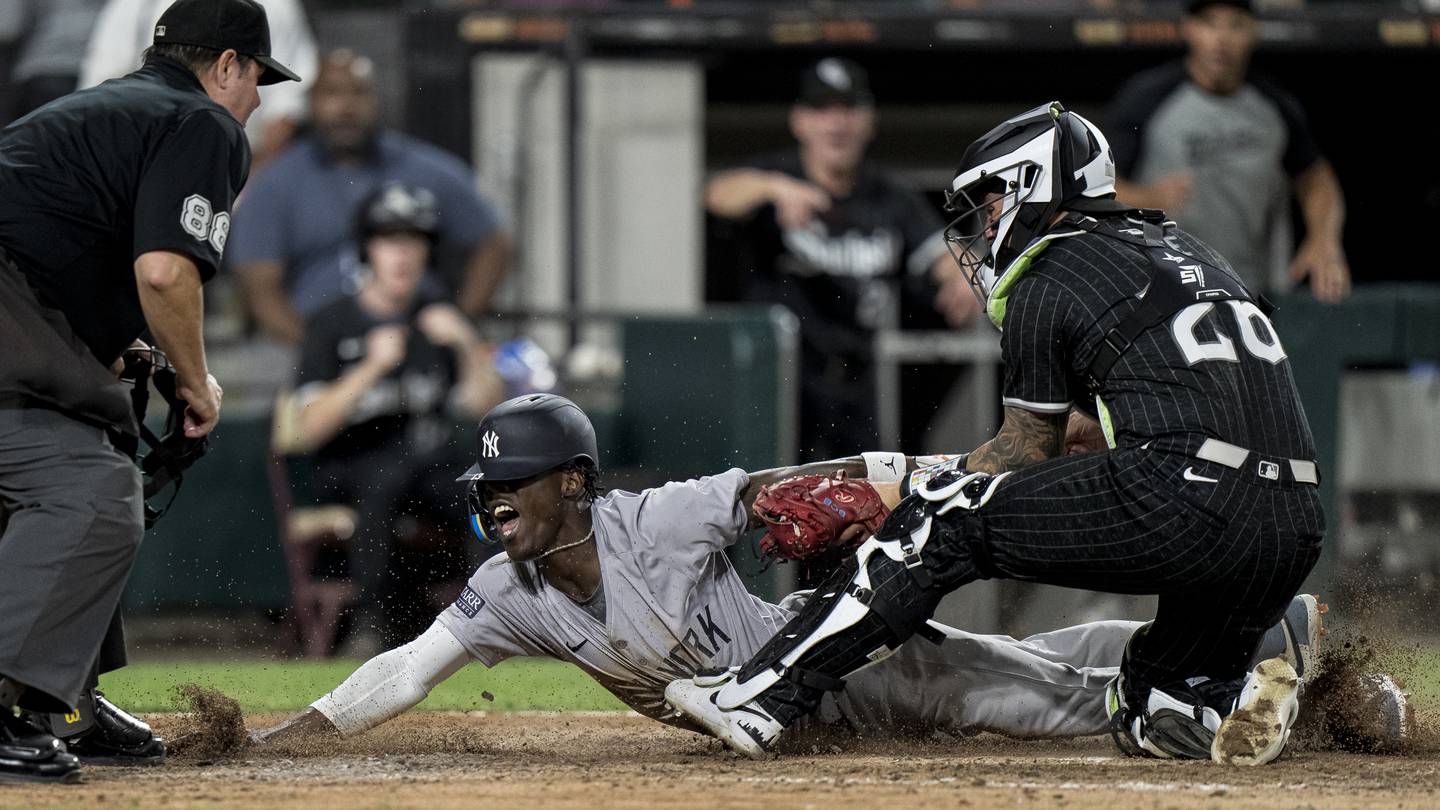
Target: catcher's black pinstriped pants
1226, 555
1225, 550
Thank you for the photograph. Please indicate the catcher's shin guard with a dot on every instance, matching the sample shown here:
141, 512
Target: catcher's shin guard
863, 613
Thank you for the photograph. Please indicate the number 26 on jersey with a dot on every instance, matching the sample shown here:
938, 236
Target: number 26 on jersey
1255, 331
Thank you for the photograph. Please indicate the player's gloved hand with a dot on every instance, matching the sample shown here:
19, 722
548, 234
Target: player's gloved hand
810, 514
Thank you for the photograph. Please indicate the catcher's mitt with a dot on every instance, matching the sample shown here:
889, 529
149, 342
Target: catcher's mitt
808, 515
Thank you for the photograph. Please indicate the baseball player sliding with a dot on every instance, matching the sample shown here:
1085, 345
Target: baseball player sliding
636, 590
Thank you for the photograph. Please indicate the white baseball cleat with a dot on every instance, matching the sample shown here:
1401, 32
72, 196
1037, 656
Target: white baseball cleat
746, 729
1256, 731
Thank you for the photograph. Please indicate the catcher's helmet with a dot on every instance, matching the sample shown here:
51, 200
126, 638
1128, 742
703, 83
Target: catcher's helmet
526, 436
1036, 163
397, 208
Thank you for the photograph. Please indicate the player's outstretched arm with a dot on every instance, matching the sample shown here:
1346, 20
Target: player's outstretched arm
386, 686
883, 470
853, 466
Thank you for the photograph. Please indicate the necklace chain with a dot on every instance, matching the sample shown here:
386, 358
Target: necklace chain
581, 541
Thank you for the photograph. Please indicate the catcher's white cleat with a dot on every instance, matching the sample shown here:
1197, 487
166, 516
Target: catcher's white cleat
1256, 731
746, 729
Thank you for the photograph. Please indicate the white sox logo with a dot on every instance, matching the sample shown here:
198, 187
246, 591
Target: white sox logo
490, 444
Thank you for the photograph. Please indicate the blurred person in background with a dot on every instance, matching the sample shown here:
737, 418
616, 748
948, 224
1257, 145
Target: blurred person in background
123, 30
48, 64
835, 239
380, 373
293, 248
1222, 150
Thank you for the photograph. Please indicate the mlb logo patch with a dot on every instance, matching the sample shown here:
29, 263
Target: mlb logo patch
469, 602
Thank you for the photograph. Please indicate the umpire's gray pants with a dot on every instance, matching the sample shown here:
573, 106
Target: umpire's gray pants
75, 519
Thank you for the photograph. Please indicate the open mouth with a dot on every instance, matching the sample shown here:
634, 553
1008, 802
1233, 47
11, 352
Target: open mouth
506, 517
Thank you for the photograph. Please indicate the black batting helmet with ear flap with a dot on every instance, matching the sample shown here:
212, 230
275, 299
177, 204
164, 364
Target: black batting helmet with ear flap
523, 437
529, 435
397, 208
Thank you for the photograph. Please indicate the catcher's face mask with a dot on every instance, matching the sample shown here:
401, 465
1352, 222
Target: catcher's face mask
1012, 183
985, 211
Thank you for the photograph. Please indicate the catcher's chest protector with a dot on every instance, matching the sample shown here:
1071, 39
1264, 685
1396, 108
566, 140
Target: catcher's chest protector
1177, 280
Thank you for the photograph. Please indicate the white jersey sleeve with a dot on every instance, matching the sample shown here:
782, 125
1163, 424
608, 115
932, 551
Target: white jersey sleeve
485, 617
393, 682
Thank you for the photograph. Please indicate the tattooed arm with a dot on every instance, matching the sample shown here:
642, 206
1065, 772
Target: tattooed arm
1025, 438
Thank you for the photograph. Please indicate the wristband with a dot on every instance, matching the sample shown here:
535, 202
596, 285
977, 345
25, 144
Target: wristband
884, 468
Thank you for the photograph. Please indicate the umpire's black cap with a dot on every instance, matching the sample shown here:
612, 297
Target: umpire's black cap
221, 24
529, 435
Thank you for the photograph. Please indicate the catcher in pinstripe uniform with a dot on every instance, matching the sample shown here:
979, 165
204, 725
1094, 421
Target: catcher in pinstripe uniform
1207, 495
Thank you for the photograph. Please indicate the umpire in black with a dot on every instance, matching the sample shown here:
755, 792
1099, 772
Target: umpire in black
114, 210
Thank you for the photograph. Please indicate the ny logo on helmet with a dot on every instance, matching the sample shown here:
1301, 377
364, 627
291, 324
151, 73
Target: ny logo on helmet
490, 444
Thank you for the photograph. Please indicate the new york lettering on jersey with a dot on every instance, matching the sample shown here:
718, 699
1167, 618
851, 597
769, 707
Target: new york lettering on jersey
706, 637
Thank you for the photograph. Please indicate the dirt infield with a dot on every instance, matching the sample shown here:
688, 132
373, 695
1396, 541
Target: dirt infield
608, 760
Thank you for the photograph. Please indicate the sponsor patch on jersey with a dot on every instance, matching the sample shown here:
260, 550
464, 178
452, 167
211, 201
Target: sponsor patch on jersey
469, 602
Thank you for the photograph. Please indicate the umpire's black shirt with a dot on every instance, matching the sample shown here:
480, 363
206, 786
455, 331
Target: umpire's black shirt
93, 180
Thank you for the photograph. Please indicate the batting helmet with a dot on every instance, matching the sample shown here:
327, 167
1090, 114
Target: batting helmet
1036, 163
521, 437
397, 208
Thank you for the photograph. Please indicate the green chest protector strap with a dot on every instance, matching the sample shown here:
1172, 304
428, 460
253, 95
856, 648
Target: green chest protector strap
1177, 280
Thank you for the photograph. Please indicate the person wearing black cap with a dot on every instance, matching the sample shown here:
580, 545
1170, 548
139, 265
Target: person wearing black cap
114, 209
837, 240
1222, 150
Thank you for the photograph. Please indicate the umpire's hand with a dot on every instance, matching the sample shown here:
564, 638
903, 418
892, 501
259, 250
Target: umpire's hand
202, 406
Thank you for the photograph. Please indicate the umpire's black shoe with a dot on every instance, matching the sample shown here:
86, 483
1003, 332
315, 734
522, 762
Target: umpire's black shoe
31, 754
116, 738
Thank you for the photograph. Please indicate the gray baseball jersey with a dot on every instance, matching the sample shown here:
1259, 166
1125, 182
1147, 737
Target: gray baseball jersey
674, 605
1243, 149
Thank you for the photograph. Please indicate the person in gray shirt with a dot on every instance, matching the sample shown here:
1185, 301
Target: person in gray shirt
636, 590
1221, 150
